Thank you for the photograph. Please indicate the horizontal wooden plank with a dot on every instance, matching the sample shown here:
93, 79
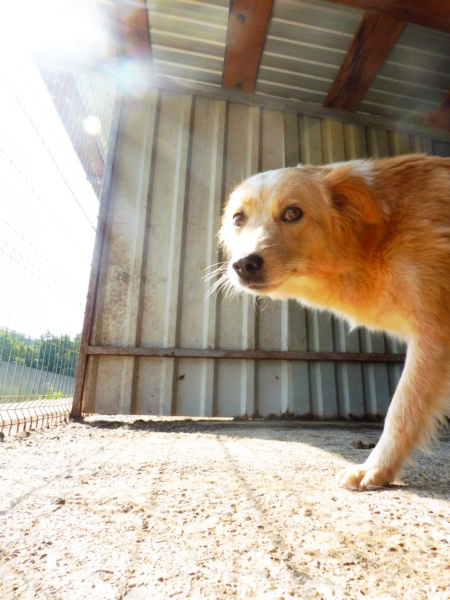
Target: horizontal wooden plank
243, 354
247, 28
371, 45
430, 13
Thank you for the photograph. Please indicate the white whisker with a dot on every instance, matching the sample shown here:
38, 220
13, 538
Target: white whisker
263, 303
215, 271
218, 285
220, 263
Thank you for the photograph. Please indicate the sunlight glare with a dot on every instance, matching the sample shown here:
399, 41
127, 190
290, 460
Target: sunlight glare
48, 27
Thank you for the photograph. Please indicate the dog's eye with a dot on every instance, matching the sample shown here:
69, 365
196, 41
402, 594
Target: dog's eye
239, 219
292, 213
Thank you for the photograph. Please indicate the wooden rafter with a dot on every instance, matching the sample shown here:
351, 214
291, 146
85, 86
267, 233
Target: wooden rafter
372, 43
247, 27
440, 117
133, 30
429, 13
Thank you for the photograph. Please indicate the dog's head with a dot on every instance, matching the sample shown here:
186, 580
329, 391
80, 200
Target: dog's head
298, 222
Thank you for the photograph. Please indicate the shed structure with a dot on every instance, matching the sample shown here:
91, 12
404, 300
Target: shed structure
215, 91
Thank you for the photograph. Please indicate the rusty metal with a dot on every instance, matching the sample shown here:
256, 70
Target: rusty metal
77, 406
131, 30
244, 354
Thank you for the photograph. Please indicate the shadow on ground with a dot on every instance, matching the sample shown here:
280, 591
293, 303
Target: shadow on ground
427, 476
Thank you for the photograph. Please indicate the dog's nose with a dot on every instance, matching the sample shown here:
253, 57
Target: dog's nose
249, 267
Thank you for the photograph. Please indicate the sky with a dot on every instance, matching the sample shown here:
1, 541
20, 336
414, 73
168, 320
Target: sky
48, 209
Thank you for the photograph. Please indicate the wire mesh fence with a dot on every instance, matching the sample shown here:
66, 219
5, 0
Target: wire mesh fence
58, 98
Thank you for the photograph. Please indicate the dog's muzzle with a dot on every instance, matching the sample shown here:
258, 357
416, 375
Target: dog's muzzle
250, 268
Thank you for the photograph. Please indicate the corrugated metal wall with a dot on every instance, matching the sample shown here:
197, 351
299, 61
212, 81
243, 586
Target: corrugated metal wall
178, 156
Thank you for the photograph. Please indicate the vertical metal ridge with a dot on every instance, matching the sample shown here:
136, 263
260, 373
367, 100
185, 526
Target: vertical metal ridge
178, 205
124, 259
208, 391
94, 288
194, 390
142, 222
141, 128
236, 317
249, 387
172, 306
271, 323
178, 233
144, 227
213, 221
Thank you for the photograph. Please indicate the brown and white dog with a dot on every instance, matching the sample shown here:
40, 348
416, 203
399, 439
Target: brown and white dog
370, 241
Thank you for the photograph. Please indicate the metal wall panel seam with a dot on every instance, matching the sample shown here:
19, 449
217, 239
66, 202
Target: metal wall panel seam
146, 123
93, 287
376, 380
172, 301
212, 251
355, 142
195, 389
230, 395
147, 384
297, 373
272, 332
236, 316
208, 387
249, 384
141, 125
143, 229
287, 400
171, 320
208, 375
118, 257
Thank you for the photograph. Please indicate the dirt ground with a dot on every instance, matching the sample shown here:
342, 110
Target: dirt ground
128, 507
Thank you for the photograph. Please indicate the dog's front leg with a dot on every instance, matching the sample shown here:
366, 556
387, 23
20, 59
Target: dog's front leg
416, 408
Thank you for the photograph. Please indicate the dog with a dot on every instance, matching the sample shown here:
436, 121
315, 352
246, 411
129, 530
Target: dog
369, 241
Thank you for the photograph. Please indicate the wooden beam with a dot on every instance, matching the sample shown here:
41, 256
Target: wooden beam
440, 117
372, 43
131, 22
248, 21
429, 13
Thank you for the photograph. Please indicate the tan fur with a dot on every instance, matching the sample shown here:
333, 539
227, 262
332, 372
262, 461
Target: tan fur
373, 246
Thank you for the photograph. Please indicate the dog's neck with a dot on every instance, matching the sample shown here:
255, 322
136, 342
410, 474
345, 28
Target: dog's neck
348, 299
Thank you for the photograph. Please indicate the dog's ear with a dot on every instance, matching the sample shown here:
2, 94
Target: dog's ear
351, 195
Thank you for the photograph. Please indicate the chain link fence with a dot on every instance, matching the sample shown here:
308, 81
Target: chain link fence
58, 95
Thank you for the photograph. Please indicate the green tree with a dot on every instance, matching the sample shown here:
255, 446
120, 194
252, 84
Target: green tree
56, 354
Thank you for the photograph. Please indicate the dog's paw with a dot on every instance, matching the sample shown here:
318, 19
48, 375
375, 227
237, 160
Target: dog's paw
360, 477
